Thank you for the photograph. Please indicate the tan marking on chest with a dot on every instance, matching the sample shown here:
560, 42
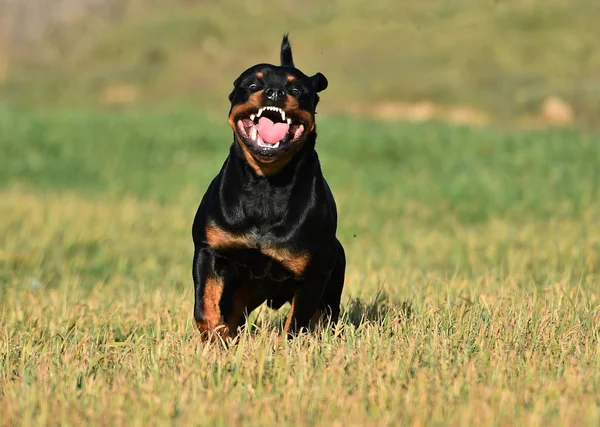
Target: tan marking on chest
218, 238
296, 263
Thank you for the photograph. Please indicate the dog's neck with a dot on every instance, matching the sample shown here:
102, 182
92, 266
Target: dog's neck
265, 200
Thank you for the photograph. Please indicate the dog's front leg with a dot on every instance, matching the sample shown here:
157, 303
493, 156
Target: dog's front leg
305, 304
209, 284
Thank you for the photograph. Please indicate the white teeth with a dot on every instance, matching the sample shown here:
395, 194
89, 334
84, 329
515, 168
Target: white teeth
262, 144
289, 121
270, 108
252, 116
253, 134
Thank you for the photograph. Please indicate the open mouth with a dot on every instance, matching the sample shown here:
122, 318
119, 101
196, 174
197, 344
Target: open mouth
269, 130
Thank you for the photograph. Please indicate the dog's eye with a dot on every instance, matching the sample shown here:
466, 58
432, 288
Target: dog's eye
295, 91
253, 86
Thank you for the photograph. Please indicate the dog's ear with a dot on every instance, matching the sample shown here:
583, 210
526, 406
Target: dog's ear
286, 52
235, 84
319, 82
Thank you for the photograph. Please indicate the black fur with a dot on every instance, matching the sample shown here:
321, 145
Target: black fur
292, 210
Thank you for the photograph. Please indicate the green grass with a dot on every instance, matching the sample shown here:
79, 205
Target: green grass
504, 57
471, 296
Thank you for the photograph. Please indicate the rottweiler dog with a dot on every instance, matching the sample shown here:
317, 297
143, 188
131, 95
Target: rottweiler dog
265, 229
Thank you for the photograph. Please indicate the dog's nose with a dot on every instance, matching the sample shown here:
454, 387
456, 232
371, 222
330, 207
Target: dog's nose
274, 94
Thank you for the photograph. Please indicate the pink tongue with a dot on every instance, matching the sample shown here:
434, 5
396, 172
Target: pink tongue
271, 132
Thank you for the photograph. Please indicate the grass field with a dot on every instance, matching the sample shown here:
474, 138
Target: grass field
472, 293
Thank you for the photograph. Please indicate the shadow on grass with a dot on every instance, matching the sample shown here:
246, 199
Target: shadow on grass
380, 310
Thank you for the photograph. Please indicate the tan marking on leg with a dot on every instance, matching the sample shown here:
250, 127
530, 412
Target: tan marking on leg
316, 320
245, 298
288, 322
213, 321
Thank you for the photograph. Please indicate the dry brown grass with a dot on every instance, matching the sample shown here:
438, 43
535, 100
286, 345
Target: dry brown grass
117, 346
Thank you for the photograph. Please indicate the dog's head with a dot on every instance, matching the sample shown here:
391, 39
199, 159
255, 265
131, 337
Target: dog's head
273, 110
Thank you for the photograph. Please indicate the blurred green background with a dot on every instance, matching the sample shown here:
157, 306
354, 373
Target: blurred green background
517, 62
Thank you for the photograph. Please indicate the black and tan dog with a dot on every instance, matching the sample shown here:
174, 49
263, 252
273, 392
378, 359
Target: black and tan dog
266, 227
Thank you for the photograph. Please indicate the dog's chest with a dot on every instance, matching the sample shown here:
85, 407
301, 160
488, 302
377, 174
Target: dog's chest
257, 252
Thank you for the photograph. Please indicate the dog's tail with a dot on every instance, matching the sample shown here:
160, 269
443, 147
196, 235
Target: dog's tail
286, 52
